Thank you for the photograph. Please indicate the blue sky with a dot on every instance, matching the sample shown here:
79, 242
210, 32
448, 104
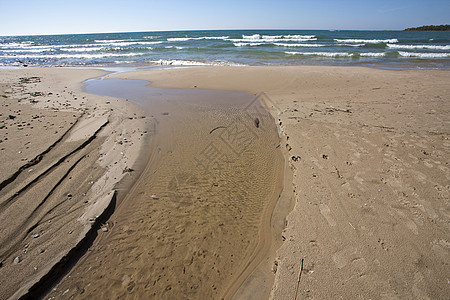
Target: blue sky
89, 16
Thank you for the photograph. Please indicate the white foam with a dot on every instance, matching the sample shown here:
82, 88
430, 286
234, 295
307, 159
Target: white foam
298, 36
350, 45
16, 45
178, 39
423, 55
174, 47
248, 44
433, 47
175, 62
213, 37
325, 54
251, 37
374, 41
31, 50
373, 54
78, 56
273, 38
297, 45
184, 39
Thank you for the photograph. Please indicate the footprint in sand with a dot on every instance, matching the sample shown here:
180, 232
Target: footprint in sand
358, 178
348, 256
418, 288
326, 213
408, 222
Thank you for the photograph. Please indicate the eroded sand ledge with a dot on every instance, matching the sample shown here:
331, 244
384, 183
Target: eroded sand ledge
63, 151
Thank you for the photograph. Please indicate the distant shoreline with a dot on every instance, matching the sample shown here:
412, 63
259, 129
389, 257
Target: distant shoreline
430, 28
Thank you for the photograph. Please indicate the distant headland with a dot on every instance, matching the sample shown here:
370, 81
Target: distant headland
430, 28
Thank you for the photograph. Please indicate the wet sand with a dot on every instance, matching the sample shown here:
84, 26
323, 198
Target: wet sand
195, 222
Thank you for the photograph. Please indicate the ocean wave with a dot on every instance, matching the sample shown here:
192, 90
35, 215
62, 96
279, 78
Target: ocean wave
350, 45
338, 54
112, 41
249, 44
125, 44
84, 49
174, 47
76, 56
185, 39
175, 62
298, 45
274, 38
324, 54
151, 37
46, 49
432, 47
423, 55
374, 41
16, 45
372, 54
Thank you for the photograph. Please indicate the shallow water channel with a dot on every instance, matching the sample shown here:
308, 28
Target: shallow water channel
195, 222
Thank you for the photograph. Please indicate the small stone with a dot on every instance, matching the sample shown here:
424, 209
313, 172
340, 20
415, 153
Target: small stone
69, 195
104, 229
36, 235
127, 170
17, 260
39, 250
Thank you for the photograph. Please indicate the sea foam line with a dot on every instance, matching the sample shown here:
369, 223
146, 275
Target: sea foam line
184, 39
374, 41
325, 54
338, 54
175, 62
271, 39
47, 49
78, 56
432, 47
424, 55
298, 45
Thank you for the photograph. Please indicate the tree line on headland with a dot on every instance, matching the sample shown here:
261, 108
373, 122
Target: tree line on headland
430, 28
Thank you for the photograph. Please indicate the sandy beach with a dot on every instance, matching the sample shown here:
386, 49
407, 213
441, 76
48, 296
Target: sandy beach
63, 153
340, 192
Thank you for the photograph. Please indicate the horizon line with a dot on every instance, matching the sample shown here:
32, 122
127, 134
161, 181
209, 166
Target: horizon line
181, 30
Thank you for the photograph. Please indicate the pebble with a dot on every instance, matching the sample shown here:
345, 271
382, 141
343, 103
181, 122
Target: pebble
39, 250
17, 260
104, 229
36, 235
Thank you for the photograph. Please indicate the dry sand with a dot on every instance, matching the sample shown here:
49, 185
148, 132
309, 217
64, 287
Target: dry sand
60, 166
367, 171
369, 154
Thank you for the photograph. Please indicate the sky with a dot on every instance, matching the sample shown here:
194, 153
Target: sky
30, 17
